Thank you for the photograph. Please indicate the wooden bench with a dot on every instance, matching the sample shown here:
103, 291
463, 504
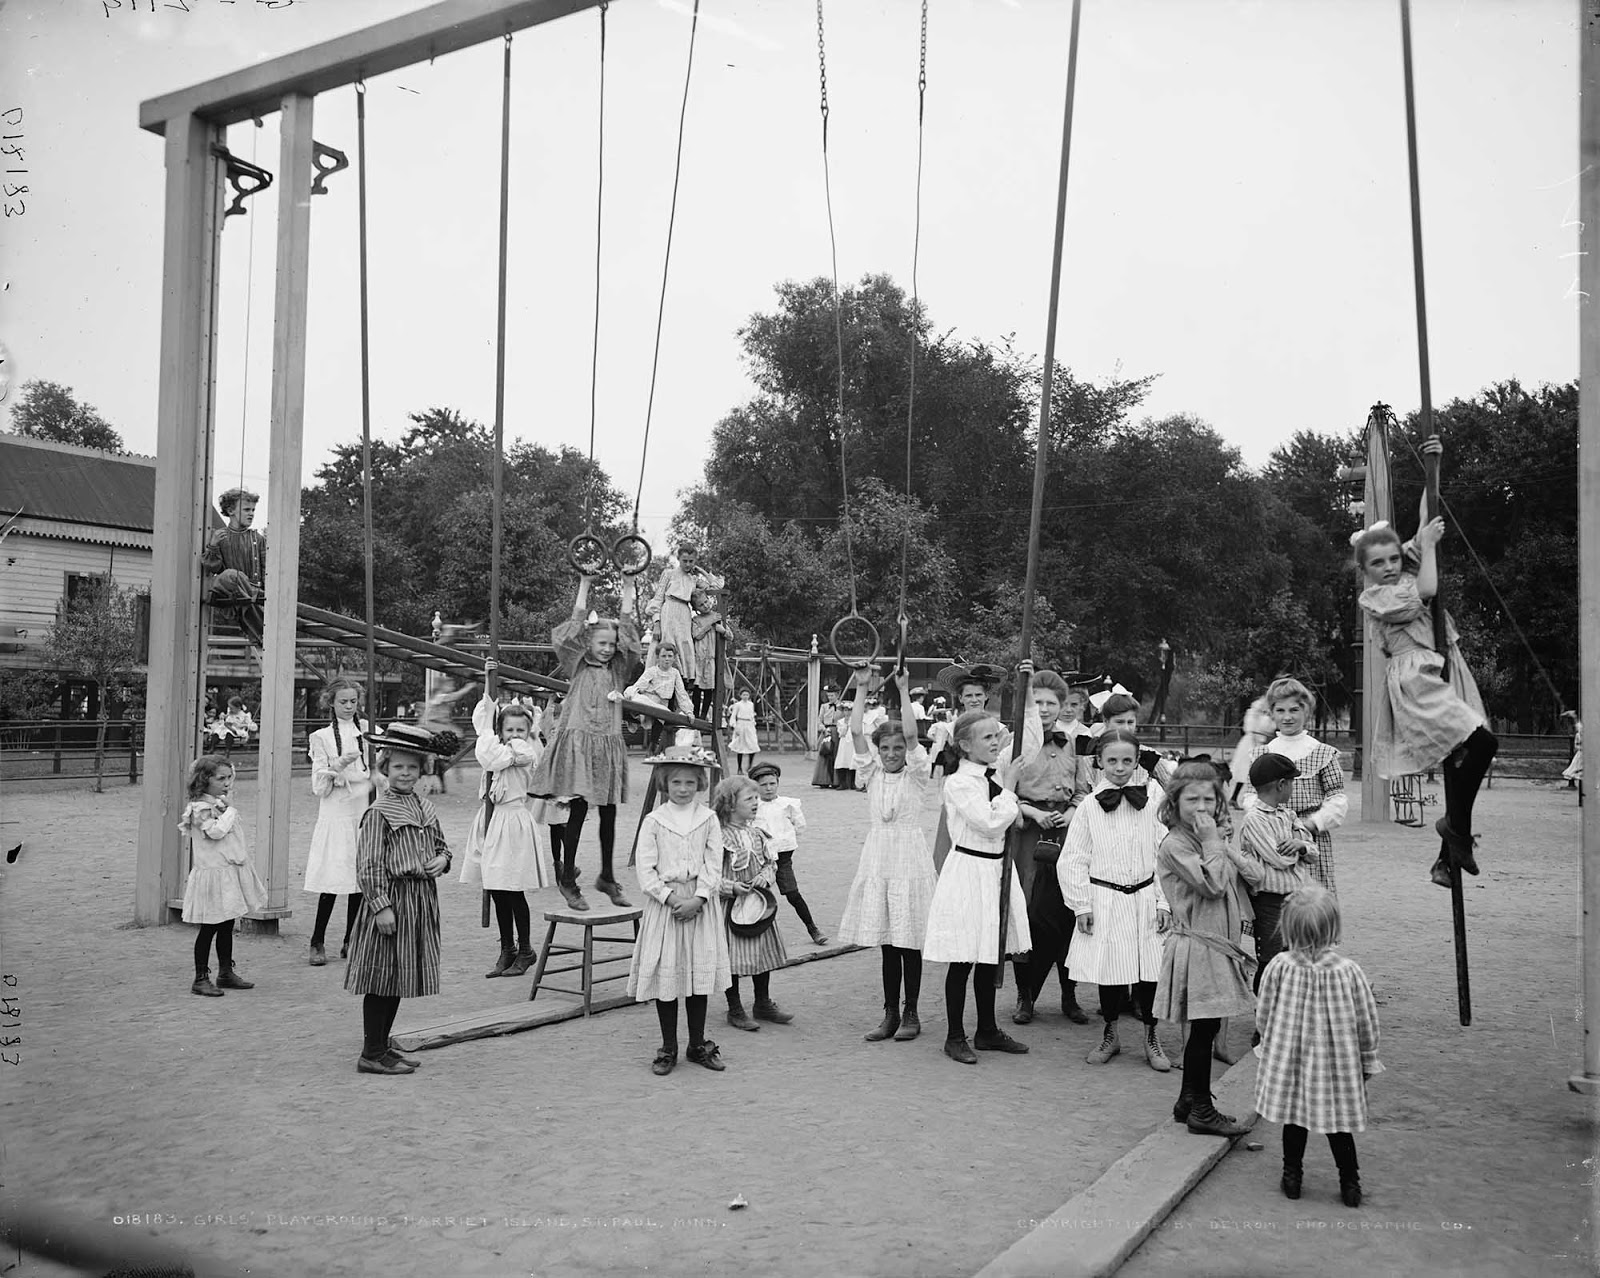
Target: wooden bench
588, 920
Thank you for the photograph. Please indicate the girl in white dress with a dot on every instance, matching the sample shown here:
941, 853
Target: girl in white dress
223, 883
340, 780
889, 898
1107, 873
505, 850
681, 950
744, 743
964, 916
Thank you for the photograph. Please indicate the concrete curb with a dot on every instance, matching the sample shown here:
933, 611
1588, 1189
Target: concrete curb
1093, 1233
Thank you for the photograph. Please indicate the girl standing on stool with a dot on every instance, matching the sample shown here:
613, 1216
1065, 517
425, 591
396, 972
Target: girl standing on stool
1421, 718
672, 608
505, 852
394, 953
587, 757
889, 898
680, 951
339, 778
1107, 874
746, 866
1205, 973
745, 744
1319, 1041
223, 883
964, 915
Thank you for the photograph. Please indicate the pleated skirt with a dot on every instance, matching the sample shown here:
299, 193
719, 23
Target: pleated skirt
673, 960
752, 955
405, 964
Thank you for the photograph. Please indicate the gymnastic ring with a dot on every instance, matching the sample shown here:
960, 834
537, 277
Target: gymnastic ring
588, 554
833, 641
626, 551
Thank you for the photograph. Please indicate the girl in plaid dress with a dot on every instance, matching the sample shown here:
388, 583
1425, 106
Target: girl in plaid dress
1319, 1041
1318, 796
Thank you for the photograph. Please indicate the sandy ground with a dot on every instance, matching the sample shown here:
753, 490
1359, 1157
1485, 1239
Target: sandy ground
239, 1126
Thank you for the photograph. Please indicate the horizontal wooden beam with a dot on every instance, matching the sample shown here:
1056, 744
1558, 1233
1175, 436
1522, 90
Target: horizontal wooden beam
385, 46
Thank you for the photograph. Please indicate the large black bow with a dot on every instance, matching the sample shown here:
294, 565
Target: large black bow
1057, 738
994, 786
1109, 798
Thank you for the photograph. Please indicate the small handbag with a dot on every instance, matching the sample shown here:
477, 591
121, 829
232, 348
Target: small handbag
1046, 851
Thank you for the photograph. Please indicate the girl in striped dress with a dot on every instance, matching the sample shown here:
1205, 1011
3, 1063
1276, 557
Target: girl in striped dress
1107, 873
1319, 1041
1318, 796
394, 953
746, 866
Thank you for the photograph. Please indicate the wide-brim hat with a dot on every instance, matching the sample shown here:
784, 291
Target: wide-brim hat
753, 913
417, 740
951, 678
683, 757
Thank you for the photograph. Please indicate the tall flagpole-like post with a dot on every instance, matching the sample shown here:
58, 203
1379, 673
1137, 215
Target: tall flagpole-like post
1040, 467
1589, 512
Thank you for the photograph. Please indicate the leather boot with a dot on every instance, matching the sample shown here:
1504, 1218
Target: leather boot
888, 1027
612, 889
1024, 1013
319, 956
910, 1025
1350, 1190
571, 892
1069, 1005
1185, 1103
766, 1010
1291, 1180
507, 955
202, 984
737, 1016
228, 978
522, 959
1153, 1053
1205, 1120
1110, 1045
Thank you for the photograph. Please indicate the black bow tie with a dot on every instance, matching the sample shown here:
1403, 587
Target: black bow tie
1057, 738
994, 786
1110, 798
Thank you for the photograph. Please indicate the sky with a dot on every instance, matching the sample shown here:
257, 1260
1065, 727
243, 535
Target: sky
1237, 218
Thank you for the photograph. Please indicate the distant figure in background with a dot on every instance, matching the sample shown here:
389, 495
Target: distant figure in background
1259, 728
1574, 772
661, 685
707, 624
671, 607
827, 740
236, 559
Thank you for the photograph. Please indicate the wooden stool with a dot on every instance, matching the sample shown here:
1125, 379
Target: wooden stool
1405, 792
588, 920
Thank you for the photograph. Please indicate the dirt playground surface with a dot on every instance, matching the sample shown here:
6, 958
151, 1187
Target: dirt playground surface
239, 1127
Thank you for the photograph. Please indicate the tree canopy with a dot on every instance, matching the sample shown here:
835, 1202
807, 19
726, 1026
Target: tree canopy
46, 410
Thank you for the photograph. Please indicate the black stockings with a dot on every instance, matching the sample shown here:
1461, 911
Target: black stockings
202, 946
901, 963
325, 901
667, 1014
1462, 779
1197, 1059
1343, 1145
511, 913
955, 997
1113, 998
658, 728
377, 1019
573, 831
763, 986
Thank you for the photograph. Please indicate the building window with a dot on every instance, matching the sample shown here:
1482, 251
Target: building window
77, 583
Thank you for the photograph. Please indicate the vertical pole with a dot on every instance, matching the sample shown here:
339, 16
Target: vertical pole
1379, 500
183, 435
1589, 515
366, 421
273, 797
813, 700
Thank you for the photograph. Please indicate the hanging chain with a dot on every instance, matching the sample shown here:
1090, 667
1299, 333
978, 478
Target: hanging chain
599, 218
822, 67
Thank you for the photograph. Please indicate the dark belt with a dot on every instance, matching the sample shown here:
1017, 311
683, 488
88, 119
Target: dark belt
1054, 805
987, 856
1128, 888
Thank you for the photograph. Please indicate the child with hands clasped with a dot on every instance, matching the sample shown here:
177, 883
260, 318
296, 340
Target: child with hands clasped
394, 953
749, 872
340, 780
1107, 874
964, 916
1205, 972
1319, 1041
890, 896
1425, 714
223, 884
680, 951
586, 760
505, 852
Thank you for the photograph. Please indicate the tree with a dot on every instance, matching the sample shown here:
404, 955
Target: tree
96, 638
45, 410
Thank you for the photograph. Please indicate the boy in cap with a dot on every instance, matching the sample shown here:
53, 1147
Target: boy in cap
781, 820
1276, 851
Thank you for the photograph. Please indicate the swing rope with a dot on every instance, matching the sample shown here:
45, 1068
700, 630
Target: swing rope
599, 226
666, 264
491, 679
366, 415
903, 620
249, 293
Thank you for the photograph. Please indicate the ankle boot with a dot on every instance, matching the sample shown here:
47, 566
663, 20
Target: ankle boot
910, 1025
1069, 1005
1205, 1120
1350, 1189
1291, 1180
1110, 1045
507, 954
1153, 1053
572, 893
612, 889
1024, 1013
888, 1027
766, 1010
228, 978
319, 956
1185, 1103
737, 1016
202, 983
521, 961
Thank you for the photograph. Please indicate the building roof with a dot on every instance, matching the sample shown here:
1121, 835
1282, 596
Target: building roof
47, 480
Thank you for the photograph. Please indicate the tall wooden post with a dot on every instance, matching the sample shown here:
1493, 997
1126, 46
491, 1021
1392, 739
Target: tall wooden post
274, 795
183, 442
1379, 498
813, 700
1589, 515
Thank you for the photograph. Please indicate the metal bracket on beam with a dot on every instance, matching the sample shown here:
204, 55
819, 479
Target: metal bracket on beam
327, 161
245, 178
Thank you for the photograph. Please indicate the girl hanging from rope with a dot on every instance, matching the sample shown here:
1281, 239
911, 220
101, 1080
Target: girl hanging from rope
1425, 712
587, 758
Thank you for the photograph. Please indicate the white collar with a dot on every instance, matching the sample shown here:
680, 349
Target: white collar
1293, 748
680, 819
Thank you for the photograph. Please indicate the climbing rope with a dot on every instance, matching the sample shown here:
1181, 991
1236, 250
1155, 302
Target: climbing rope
366, 417
497, 478
249, 293
904, 621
